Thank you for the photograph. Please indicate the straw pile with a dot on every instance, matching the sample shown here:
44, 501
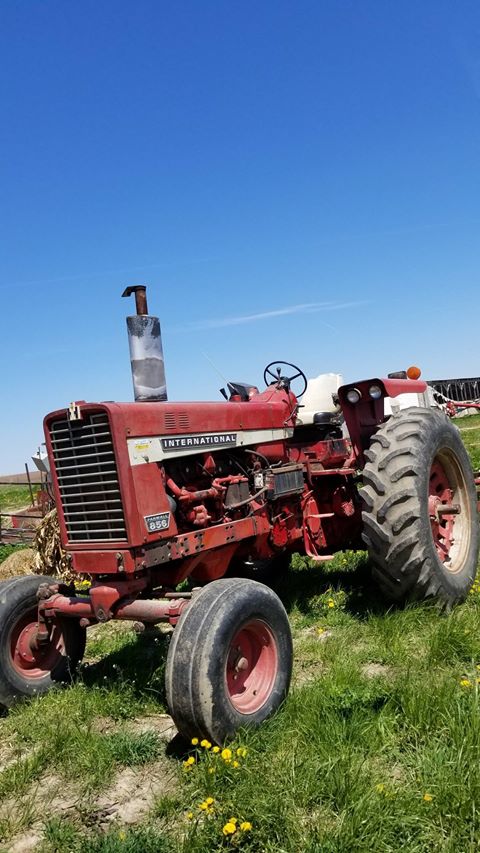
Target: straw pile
50, 558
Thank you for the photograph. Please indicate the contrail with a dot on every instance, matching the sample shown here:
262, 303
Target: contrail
302, 308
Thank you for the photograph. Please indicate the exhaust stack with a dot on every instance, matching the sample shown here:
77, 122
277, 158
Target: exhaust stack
146, 353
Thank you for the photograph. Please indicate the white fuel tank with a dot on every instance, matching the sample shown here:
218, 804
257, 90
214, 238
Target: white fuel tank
318, 397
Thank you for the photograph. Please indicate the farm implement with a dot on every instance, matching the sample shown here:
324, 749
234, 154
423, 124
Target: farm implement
180, 511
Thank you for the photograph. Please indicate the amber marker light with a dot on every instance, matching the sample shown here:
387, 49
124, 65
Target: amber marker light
414, 372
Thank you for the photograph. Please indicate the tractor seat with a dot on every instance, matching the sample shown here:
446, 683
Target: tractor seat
327, 419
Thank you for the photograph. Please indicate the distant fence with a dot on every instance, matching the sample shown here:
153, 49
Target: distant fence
457, 389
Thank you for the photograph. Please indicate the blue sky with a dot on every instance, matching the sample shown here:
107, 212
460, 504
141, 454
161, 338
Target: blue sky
295, 180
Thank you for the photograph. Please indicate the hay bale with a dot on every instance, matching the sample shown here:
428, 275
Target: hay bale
18, 563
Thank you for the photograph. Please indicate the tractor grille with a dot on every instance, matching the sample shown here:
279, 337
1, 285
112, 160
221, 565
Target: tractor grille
88, 479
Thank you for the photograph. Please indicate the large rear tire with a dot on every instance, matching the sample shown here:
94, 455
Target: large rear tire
417, 469
230, 660
25, 669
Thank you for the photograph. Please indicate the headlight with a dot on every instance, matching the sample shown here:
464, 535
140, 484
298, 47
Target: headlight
353, 395
375, 392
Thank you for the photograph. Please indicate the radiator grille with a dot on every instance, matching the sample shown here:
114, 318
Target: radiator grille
88, 479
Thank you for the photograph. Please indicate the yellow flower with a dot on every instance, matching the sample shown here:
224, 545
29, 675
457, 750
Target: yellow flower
229, 828
428, 798
465, 682
190, 816
209, 801
122, 835
246, 826
380, 788
203, 806
211, 769
320, 630
188, 763
241, 751
233, 820
331, 602
235, 764
194, 741
216, 749
226, 754
205, 743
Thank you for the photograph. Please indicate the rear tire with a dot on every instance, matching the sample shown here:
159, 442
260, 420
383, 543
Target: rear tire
24, 670
230, 660
418, 467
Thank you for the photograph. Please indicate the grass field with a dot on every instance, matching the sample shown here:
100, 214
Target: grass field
14, 497
376, 749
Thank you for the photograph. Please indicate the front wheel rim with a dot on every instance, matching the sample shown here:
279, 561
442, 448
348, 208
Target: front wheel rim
251, 667
28, 661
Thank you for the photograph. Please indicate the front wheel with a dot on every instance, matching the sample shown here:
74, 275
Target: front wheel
230, 660
420, 508
28, 668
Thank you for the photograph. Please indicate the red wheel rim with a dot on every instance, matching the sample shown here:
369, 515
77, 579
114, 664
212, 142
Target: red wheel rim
252, 665
31, 662
442, 523
449, 510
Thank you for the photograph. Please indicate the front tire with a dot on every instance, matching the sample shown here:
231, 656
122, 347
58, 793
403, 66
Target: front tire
230, 660
417, 470
25, 670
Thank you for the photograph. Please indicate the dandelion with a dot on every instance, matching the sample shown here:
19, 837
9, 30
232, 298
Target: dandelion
465, 682
216, 749
246, 826
211, 769
205, 743
187, 765
241, 751
189, 816
229, 828
226, 754
203, 806
209, 801
235, 764
320, 630
331, 602
194, 741
428, 798
380, 788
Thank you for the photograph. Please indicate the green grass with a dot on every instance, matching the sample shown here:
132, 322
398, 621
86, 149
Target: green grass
376, 749
382, 720
14, 497
470, 430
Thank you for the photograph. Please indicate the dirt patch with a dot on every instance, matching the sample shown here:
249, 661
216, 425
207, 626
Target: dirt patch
25, 843
18, 563
46, 798
127, 800
305, 671
133, 793
161, 724
376, 670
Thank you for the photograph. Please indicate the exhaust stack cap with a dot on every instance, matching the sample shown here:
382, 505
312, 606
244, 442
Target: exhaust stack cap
146, 352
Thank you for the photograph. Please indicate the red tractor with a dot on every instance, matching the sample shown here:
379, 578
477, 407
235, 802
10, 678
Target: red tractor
152, 494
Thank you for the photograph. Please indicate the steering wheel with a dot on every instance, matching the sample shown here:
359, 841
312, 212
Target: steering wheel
278, 377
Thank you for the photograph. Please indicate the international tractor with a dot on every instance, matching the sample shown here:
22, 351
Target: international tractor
178, 511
